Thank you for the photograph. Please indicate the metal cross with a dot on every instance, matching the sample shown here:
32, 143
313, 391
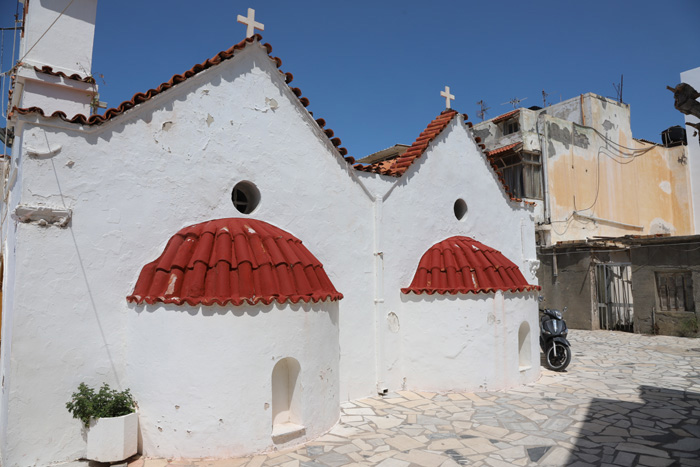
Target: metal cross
448, 97
250, 22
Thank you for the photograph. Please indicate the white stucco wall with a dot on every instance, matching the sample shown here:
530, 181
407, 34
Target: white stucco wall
692, 77
45, 42
467, 342
131, 184
202, 376
417, 212
53, 93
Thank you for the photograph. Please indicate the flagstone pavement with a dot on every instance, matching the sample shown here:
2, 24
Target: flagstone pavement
625, 400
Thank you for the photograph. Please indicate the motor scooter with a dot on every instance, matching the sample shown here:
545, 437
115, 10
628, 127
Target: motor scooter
553, 331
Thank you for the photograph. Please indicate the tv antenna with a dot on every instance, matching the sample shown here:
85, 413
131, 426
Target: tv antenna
483, 110
544, 97
514, 102
618, 89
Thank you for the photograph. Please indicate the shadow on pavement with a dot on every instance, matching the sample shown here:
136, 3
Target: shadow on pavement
664, 430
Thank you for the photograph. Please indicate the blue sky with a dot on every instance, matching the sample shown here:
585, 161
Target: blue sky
374, 70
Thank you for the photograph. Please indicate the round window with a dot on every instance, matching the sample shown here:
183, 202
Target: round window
460, 209
245, 197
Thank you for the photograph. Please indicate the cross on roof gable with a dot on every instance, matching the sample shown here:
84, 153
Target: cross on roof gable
250, 22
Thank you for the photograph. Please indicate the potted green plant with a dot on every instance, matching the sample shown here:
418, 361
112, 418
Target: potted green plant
111, 420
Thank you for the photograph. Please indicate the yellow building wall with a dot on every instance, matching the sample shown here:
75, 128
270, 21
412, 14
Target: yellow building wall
630, 187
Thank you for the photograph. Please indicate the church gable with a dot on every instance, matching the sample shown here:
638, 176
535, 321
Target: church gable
143, 97
398, 166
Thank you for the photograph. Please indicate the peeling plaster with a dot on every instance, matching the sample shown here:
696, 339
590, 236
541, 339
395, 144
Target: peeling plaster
580, 139
483, 133
556, 133
665, 187
608, 125
660, 226
43, 215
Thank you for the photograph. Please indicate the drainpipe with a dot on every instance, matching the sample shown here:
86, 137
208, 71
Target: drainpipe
545, 175
379, 297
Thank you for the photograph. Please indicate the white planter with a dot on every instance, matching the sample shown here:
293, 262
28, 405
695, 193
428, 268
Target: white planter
112, 439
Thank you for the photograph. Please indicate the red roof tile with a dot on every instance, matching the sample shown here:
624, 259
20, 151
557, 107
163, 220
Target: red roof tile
397, 166
233, 261
176, 79
403, 162
497, 151
506, 116
75, 77
463, 265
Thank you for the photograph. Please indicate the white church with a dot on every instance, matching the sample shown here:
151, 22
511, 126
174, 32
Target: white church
209, 245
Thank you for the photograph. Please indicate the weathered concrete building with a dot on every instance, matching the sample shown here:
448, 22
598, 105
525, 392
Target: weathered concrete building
607, 205
589, 176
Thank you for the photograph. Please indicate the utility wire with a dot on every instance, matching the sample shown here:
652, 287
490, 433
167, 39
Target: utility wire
40, 38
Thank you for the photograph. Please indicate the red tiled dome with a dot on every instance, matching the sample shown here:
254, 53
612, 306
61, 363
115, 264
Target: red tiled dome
233, 261
463, 265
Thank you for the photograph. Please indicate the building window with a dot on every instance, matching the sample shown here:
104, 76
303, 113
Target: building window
510, 126
675, 290
522, 172
245, 197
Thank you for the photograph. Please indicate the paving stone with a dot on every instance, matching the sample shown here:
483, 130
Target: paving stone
403, 443
314, 451
557, 456
626, 459
445, 444
641, 449
256, 461
386, 422
535, 454
333, 459
393, 463
423, 458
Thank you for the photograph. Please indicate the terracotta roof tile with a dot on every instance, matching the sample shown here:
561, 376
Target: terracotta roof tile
397, 166
404, 161
497, 151
75, 77
233, 261
463, 265
140, 97
505, 116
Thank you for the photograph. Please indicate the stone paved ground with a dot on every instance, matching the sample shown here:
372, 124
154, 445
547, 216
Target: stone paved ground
625, 400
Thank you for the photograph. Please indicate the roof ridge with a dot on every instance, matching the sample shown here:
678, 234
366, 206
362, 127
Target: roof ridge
404, 161
141, 97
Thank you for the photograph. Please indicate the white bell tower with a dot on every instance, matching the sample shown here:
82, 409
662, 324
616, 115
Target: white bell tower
57, 34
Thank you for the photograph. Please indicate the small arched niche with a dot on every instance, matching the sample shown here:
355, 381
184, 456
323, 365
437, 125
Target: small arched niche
524, 347
286, 401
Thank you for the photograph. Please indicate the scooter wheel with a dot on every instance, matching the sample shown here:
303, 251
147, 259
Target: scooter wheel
558, 357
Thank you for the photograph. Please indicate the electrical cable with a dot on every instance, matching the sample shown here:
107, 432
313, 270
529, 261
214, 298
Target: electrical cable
40, 38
